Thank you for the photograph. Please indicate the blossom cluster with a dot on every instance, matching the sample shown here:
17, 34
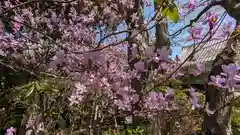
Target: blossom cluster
61, 38
11, 131
229, 78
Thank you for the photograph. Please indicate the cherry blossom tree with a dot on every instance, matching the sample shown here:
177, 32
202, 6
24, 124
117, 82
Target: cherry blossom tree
110, 74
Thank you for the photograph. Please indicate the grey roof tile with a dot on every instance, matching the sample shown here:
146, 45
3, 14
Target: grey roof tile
205, 52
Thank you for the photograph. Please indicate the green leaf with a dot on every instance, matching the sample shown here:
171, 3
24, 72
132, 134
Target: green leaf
139, 130
129, 131
162, 89
44, 86
30, 91
176, 84
191, 79
141, 10
26, 86
171, 11
159, 1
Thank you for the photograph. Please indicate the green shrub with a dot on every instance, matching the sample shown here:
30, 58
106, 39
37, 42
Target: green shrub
236, 116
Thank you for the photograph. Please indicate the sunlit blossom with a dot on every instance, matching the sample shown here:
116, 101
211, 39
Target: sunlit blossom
11, 131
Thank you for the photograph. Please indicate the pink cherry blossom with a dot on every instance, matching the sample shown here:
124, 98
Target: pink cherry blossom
11, 131
195, 33
193, 4
194, 98
148, 4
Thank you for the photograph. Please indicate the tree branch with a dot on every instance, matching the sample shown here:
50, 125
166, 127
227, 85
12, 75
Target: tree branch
213, 3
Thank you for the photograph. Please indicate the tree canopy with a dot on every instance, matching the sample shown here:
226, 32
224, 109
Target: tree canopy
93, 67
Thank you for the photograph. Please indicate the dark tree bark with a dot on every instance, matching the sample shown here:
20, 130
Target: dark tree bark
140, 39
220, 122
221, 100
161, 40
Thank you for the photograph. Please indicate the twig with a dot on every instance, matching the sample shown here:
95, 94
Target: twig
31, 2
213, 3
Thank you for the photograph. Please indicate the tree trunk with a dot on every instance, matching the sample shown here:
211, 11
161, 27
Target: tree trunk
220, 122
220, 99
161, 40
140, 39
156, 125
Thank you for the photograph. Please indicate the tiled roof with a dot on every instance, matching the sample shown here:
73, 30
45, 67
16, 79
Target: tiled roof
207, 52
